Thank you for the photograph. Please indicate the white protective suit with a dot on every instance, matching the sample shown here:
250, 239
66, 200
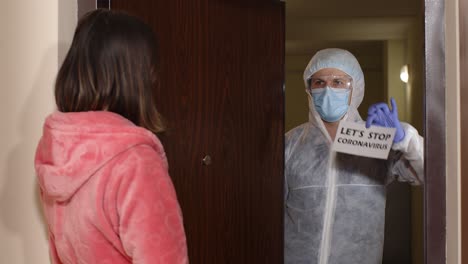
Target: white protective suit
334, 202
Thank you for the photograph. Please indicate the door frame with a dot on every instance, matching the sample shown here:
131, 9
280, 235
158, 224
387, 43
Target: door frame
463, 31
434, 133
434, 126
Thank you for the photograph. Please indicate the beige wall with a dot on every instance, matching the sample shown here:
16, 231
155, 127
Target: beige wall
414, 57
395, 53
296, 97
399, 53
29, 48
453, 133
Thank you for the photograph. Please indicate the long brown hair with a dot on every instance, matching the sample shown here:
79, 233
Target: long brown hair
112, 65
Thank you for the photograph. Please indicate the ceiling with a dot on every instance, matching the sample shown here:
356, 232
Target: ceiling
354, 8
315, 24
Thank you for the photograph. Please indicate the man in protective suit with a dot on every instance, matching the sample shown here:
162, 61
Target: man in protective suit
335, 202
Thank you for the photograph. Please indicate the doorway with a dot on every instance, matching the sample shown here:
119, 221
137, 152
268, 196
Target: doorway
387, 39
431, 120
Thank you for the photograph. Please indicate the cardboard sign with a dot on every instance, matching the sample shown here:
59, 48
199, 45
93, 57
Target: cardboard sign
356, 139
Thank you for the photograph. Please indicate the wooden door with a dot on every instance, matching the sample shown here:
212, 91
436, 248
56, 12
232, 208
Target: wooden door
222, 96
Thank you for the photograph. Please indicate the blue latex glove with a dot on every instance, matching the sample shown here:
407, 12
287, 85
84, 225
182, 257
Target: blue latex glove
380, 115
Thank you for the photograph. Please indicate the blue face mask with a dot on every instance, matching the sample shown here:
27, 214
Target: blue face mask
331, 103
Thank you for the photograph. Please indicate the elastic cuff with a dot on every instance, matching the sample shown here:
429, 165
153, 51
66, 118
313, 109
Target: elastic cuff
410, 132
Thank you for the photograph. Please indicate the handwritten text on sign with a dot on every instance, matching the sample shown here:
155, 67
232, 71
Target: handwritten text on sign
356, 139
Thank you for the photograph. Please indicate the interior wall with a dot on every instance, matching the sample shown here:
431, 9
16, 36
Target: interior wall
395, 54
397, 245
296, 98
415, 116
415, 60
31, 37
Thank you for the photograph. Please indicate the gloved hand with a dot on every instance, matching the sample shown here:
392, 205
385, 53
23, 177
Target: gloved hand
379, 114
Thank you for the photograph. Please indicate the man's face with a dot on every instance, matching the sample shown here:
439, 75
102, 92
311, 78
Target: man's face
331, 77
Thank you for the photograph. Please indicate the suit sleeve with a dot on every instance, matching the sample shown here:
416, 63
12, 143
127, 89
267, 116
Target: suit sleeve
410, 166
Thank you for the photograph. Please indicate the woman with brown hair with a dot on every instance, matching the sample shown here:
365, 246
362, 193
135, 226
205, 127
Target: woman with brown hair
102, 172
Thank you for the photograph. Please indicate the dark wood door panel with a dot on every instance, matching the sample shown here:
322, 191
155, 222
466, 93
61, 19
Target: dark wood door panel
222, 95
245, 64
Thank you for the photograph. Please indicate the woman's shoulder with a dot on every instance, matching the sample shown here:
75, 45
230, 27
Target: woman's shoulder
145, 155
138, 163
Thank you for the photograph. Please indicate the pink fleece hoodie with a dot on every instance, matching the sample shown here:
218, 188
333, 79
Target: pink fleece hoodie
106, 192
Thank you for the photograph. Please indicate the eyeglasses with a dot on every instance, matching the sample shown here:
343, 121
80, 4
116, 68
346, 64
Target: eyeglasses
339, 82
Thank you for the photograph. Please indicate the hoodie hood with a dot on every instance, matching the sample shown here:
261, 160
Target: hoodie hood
346, 62
76, 145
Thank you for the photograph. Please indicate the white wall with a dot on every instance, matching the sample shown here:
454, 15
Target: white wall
453, 170
29, 56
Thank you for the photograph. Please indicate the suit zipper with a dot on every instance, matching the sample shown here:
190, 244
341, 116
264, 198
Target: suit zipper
329, 211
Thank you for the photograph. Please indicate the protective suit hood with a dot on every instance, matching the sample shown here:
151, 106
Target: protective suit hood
346, 62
